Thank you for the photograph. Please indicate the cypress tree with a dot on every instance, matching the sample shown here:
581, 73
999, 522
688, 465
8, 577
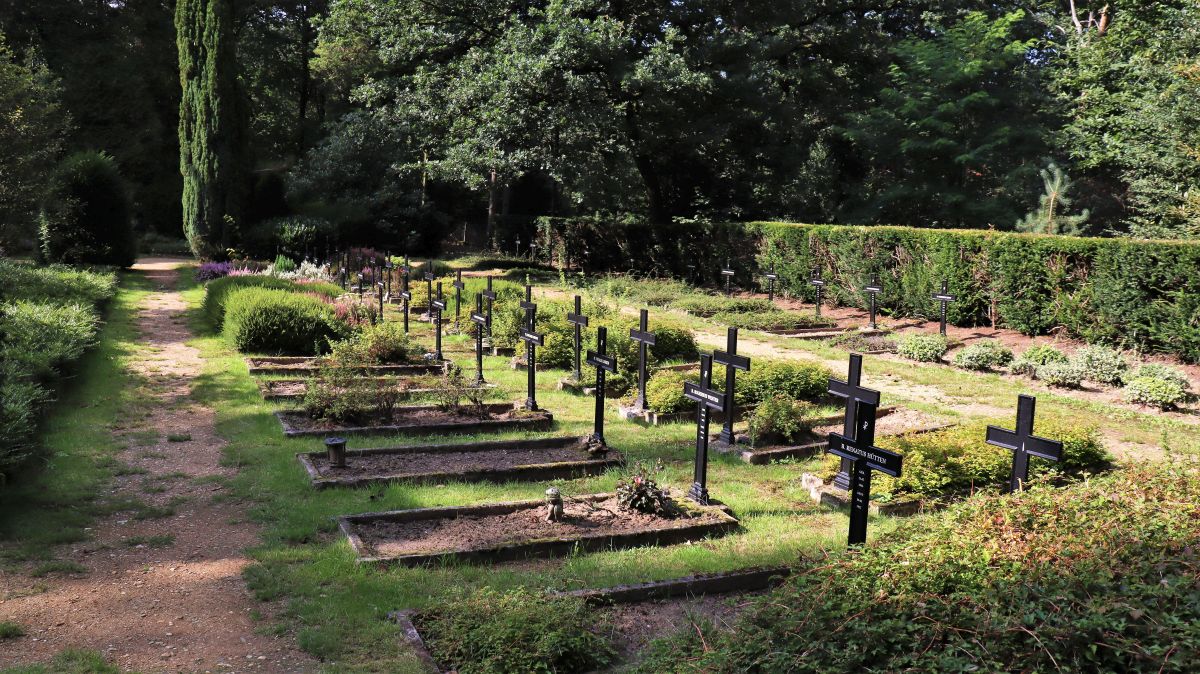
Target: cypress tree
211, 125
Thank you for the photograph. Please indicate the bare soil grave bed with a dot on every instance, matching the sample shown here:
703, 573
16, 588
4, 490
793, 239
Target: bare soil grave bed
519, 530
308, 366
421, 419
510, 460
294, 389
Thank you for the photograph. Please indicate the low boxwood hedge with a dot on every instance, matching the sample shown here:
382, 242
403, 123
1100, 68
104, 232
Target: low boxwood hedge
280, 322
217, 291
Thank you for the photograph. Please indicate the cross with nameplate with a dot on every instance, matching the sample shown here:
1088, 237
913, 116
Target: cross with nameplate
732, 362
344, 270
707, 401
945, 298
728, 272
1023, 443
864, 457
771, 277
579, 321
819, 283
604, 364
458, 288
480, 322
860, 403
644, 339
532, 340
429, 276
872, 290
436, 307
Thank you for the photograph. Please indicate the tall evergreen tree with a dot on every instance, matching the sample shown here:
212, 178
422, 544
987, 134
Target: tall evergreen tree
211, 125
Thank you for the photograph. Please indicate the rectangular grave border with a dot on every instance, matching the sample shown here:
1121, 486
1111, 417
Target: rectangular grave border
279, 365
677, 531
527, 473
266, 388
536, 421
769, 453
652, 418
823, 333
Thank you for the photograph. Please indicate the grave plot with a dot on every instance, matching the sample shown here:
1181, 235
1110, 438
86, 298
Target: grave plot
419, 419
510, 460
522, 529
301, 366
769, 446
282, 390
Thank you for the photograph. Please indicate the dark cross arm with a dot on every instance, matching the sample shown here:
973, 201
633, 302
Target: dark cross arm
843, 389
1043, 448
533, 337
643, 336
713, 400
732, 360
577, 319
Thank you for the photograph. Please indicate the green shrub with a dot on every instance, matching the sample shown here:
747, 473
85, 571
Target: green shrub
664, 391
381, 343
268, 320
1060, 375
922, 348
780, 419
283, 264
1101, 364
794, 379
1164, 372
1158, 386
217, 290
489, 632
772, 319
559, 351
56, 283
39, 338
984, 356
1036, 356
21, 403
85, 216
673, 342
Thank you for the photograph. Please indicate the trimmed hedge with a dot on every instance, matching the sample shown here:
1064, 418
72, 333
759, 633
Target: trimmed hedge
269, 320
1142, 295
219, 289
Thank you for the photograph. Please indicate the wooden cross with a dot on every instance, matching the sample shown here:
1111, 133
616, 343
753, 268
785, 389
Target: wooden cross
945, 298
644, 338
864, 457
732, 362
580, 322
603, 363
872, 290
428, 275
728, 272
707, 401
458, 288
532, 339
1023, 443
480, 322
861, 403
771, 277
819, 283
438, 305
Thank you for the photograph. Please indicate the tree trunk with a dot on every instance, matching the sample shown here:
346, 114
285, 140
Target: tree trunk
489, 232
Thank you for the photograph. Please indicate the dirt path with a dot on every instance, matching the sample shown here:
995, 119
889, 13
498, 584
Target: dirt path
163, 591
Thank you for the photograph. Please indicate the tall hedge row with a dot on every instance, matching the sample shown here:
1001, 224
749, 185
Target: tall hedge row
1142, 295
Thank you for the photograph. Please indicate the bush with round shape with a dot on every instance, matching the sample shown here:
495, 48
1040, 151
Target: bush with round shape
1101, 364
767, 378
377, 344
664, 391
86, 214
984, 356
1060, 375
218, 290
559, 351
1157, 386
268, 320
1165, 372
1036, 356
779, 419
921, 347
673, 342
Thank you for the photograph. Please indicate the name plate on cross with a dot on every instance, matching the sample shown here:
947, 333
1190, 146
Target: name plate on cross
606, 363
478, 319
533, 337
713, 400
878, 459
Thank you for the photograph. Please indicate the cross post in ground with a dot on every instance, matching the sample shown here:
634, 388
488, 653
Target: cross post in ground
428, 275
819, 283
864, 457
707, 401
532, 340
1023, 443
458, 288
771, 277
872, 290
644, 339
604, 364
480, 322
732, 362
579, 321
438, 305
945, 298
728, 272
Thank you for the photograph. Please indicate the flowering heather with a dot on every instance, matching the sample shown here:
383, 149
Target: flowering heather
213, 270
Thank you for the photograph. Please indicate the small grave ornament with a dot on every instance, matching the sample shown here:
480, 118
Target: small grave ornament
436, 307
644, 339
945, 298
1023, 443
819, 283
554, 505
732, 362
872, 290
336, 449
860, 402
532, 340
480, 322
604, 364
728, 272
579, 321
707, 401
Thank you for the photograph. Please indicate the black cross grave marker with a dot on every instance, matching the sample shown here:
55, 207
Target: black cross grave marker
732, 363
644, 338
480, 322
771, 277
389, 266
360, 287
819, 283
728, 272
379, 291
428, 275
577, 319
945, 298
490, 296
707, 401
532, 340
860, 403
872, 290
436, 307
405, 293
604, 364
458, 288
1023, 443
864, 457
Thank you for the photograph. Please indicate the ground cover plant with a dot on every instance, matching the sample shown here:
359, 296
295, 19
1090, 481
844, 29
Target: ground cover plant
985, 355
1036, 356
1157, 386
218, 291
963, 591
922, 348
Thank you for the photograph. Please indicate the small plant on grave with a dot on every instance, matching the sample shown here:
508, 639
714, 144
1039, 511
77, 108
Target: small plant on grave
1157, 386
1061, 375
476, 397
386, 343
283, 265
985, 355
336, 395
922, 348
780, 419
449, 392
1036, 356
766, 378
639, 491
664, 391
1101, 364
354, 314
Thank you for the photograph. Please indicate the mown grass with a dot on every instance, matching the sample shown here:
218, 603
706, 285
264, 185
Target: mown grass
69, 662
